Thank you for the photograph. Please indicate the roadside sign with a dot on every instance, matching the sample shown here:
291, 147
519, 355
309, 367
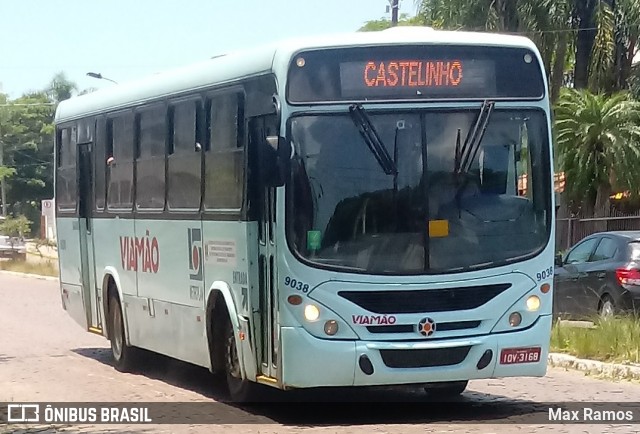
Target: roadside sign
47, 208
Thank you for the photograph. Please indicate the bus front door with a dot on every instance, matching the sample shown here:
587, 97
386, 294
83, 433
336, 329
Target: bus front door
265, 307
85, 207
268, 301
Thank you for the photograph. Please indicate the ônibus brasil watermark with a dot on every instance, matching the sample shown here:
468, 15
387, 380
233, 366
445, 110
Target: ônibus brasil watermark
331, 412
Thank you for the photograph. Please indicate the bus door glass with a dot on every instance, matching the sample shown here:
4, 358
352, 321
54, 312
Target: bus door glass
264, 196
85, 225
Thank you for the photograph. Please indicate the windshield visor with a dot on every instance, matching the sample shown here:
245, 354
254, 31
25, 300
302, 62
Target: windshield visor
434, 207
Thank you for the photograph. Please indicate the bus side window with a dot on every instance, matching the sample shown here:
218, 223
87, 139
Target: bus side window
224, 160
120, 190
66, 184
150, 177
184, 171
100, 163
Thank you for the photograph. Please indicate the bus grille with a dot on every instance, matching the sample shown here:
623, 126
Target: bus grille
408, 328
424, 300
424, 358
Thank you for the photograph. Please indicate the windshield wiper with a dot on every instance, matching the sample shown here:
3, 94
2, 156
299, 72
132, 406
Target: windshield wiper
372, 139
465, 156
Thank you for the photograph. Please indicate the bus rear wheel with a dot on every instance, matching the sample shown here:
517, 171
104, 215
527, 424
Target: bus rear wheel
240, 389
446, 390
123, 355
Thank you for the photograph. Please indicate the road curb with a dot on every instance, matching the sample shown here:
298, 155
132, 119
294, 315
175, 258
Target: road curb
27, 275
594, 367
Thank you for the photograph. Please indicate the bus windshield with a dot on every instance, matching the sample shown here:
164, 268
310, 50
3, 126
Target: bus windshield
427, 216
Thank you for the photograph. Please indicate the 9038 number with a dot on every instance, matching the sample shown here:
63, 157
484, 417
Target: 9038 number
296, 284
545, 274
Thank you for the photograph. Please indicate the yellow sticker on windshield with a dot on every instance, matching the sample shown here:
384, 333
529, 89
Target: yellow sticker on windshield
438, 228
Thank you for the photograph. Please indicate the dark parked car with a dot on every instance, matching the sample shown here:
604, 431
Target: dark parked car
599, 275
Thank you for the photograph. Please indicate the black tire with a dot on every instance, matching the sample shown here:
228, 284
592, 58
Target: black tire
446, 390
240, 390
123, 355
607, 307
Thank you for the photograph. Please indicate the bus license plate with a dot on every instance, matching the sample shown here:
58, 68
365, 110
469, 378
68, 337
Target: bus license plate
510, 356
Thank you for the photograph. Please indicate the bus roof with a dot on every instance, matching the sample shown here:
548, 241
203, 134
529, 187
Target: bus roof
271, 58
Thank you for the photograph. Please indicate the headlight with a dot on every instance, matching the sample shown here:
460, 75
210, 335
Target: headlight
311, 312
533, 303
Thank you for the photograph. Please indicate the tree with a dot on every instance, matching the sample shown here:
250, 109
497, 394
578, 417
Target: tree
546, 22
6, 172
592, 42
28, 150
384, 23
61, 88
615, 45
598, 140
15, 227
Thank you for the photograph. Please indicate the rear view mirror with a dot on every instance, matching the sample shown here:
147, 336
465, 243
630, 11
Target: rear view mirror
275, 161
558, 262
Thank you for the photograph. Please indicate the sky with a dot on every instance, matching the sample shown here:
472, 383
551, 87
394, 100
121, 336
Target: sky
129, 39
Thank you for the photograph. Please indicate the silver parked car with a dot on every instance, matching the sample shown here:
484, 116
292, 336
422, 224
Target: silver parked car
12, 247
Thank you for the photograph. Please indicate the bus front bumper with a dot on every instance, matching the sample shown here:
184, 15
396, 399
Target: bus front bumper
311, 362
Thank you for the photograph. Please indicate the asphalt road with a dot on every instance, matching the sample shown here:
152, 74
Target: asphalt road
46, 357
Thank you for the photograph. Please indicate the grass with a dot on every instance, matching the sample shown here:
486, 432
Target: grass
46, 268
612, 340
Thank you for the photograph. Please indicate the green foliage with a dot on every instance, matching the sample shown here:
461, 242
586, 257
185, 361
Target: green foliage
611, 340
459, 14
558, 29
6, 172
61, 88
384, 23
27, 136
46, 268
598, 141
15, 226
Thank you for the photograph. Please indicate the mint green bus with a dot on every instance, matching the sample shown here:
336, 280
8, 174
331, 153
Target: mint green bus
337, 211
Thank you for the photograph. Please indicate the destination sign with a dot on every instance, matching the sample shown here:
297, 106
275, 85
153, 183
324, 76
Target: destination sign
415, 72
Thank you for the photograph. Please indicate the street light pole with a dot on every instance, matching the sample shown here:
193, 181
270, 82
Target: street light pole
100, 77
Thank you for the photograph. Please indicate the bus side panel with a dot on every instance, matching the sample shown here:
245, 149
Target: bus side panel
225, 256
168, 314
110, 240
69, 246
70, 277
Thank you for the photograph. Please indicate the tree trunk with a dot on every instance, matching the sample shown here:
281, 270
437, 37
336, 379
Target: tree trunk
508, 15
627, 63
584, 13
557, 75
602, 208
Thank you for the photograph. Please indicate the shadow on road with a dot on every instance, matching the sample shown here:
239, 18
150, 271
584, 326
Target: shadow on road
174, 372
339, 406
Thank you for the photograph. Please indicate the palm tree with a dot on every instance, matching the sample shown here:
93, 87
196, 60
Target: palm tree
615, 45
598, 141
547, 22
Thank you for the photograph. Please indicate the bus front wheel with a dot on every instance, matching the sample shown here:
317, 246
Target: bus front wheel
123, 355
240, 389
